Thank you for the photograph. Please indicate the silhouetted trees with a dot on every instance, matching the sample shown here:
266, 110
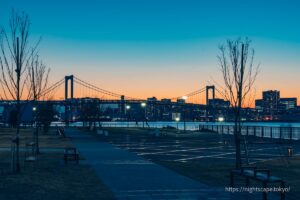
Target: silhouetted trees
15, 54
239, 74
90, 112
38, 74
44, 115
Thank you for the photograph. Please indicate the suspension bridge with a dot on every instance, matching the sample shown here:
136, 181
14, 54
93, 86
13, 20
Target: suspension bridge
72, 87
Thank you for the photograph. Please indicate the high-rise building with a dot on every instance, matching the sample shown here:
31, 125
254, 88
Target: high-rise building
259, 105
272, 106
152, 109
287, 104
271, 101
166, 109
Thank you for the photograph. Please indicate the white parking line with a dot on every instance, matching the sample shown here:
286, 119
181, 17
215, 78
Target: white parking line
216, 155
181, 150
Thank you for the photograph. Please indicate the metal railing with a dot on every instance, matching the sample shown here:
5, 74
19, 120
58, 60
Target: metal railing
282, 132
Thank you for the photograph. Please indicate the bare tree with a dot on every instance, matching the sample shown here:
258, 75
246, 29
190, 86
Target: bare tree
239, 74
38, 74
14, 59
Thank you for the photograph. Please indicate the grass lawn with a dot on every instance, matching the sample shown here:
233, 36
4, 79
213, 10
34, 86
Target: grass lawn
48, 178
46, 140
217, 173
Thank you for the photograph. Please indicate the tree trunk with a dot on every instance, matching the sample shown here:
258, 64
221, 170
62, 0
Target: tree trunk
36, 135
238, 114
238, 161
18, 72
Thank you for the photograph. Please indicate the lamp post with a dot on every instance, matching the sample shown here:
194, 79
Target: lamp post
36, 132
184, 119
177, 119
127, 112
143, 105
34, 115
221, 119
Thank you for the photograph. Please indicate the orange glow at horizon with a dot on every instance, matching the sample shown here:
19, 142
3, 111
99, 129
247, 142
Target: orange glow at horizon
80, 92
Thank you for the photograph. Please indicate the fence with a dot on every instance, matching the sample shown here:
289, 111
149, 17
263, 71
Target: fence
292, 133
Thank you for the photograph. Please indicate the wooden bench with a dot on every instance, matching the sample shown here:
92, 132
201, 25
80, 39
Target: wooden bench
71, 154
261, 175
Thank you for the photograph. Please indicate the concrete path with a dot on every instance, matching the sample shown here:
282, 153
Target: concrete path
132, 177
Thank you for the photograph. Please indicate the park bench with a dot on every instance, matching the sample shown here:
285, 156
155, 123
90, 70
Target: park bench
260, 175
71, 154
30, 152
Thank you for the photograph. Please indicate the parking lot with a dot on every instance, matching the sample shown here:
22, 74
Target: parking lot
206, 146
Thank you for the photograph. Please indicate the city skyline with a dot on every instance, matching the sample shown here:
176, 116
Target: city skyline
162, 49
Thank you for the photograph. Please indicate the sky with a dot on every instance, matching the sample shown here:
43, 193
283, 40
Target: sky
162, 48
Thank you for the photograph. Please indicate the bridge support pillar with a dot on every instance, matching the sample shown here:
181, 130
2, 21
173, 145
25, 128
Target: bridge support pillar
68, 104
67, 79
122, 106
208, 88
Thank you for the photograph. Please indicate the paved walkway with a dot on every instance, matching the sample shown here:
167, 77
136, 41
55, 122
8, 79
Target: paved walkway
132, 177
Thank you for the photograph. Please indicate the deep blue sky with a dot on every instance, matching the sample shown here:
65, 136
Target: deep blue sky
160, 20
138, 45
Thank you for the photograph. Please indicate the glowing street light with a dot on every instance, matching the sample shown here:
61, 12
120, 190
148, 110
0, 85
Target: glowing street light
184, 125
221, 119
127, 108
177, 119
34, 109
143, 104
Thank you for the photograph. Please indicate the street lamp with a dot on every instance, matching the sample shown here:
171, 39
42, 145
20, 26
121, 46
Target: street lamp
34, 109
36, 129
143, 105
221, 119
177, 119
184, 124
34, 115
127, 111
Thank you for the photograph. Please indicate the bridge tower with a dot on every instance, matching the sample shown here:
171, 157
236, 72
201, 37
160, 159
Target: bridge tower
67, 79
209, 111
122, 106
208, 88
68, 105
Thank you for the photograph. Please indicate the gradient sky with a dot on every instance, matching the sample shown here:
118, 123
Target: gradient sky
162, 48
